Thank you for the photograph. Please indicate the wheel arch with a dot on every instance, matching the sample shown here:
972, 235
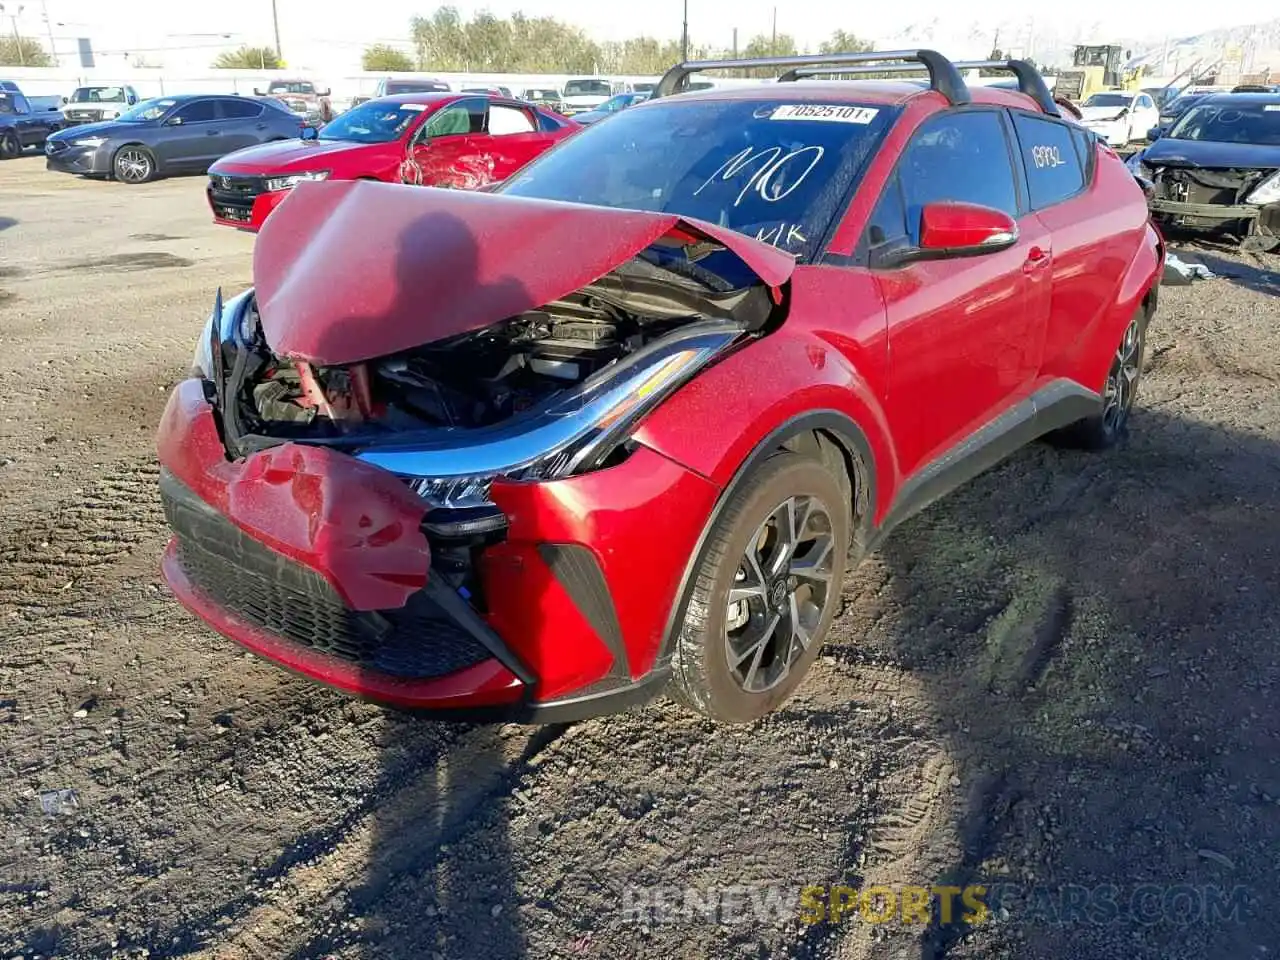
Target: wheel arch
824, 432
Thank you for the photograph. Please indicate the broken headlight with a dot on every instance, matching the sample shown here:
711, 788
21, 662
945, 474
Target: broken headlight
572, 434
231, 320
1268, 191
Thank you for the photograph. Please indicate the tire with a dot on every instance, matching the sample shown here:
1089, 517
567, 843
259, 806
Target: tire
727, 664
10, 145
134, 164
1111, 424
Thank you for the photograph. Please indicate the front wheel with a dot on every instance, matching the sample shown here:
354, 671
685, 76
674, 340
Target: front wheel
765, 592
1110, 425
10, 145
134, 164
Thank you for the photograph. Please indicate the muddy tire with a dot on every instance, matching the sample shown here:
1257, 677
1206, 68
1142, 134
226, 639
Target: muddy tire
1110, 425
10, 145
134, 164
762, 599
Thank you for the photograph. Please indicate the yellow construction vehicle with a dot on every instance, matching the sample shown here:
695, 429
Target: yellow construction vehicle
1097, 67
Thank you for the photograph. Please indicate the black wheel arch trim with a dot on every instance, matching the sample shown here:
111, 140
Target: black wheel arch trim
859, 460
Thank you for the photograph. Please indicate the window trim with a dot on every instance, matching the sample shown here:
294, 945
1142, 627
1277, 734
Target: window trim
256, 104
1088, 165
191, 103
529, 115
861, 255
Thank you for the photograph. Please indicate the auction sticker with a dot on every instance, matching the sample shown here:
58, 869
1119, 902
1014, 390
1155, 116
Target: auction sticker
828, 113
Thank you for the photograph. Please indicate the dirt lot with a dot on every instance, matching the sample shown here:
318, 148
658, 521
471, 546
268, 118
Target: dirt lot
1064, 676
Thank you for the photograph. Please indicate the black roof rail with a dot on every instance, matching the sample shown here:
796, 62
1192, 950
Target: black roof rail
1029, 79
943, 75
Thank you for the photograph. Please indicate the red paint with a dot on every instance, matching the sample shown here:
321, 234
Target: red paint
463, 161
474, 258
958, 226
356, 525
488, 683
615, 514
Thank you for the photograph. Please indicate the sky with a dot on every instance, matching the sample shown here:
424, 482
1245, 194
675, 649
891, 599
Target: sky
331, 30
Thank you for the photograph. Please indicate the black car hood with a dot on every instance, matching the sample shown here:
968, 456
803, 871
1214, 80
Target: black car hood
103, 128
1168, 152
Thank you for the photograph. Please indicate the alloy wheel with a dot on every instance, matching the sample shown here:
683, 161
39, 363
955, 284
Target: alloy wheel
780, 590
133, 166
1122, 380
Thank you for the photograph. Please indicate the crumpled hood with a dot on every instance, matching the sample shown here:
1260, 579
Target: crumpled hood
349, 270
1095, 114
1209, 153
285, 156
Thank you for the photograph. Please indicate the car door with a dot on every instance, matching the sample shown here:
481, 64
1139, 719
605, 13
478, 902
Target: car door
513, 138
29, 128
244, 124
449, 148
190, 136
1146, 115
964, 332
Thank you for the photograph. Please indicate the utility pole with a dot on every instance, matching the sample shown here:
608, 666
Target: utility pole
53, 52
735, 43
684, 34
275, 22
773, 43
17, 40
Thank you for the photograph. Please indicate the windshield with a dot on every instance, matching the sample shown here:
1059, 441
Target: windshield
147, 110
98, 95
587, 88
416, 86
1231, 123
542, 94
281, 86
1107, 100
372, 122
775, 171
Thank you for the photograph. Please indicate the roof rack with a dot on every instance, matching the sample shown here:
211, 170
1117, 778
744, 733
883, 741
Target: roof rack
943, 75
1029, 79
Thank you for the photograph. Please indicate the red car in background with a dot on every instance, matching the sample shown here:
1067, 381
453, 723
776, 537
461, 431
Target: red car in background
432, 139
626, 421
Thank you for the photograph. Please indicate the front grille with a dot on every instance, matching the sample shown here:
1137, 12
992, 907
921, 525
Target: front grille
232, 197
295, 603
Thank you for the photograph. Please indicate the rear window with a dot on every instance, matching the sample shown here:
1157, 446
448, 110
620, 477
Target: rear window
98, 95
416, 86
587, 88
1051, 159
776, 171
298, 88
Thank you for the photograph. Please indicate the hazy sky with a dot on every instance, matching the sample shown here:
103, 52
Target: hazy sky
310, 27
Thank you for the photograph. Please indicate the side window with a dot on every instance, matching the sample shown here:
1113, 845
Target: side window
548, 124
1145, 102
240, 109
1087, 148
505, 120
453, 121
1049, 155
888, 224
961, 156
198, 111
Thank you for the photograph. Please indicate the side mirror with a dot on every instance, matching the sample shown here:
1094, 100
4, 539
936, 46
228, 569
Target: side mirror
258, 93
131, 100
324, 93
173, 122
309, 133
963, 230
1153, 133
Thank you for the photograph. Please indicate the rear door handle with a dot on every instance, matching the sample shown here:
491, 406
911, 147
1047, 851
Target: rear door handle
1036, 257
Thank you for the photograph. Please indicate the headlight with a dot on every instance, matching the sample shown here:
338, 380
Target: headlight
89, 142
202, 361
291, 181
572, 434
233, 320
1136, 166
1268, 190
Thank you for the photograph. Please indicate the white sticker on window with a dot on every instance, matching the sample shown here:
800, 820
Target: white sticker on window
413, 106
829, 113
1272, 108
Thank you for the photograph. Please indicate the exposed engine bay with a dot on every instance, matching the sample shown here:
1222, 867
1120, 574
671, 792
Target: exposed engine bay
1224, 187
477, 379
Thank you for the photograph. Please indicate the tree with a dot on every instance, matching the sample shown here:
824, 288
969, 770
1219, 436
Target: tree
383, 57
22, 52
248, 58
842, 41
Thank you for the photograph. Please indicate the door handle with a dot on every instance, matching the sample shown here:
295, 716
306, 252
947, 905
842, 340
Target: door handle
212, 133
1037, 256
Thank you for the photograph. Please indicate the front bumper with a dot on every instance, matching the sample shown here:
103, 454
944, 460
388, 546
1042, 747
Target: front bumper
241, 202
318, 562
85, 161
1205, 211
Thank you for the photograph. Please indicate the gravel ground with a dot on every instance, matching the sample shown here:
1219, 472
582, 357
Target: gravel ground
1062, 677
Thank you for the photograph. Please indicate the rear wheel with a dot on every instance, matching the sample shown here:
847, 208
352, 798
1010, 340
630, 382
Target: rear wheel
1111, 424
10, 145
134, 164
766, 591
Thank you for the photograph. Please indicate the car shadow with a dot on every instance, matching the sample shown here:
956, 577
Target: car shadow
1105, 686
1264, 278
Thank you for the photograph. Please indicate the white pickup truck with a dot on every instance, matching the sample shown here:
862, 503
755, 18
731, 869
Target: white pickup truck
93, 104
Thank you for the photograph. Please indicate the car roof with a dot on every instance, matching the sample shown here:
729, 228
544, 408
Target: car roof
421, 97
885, 92
1240, 99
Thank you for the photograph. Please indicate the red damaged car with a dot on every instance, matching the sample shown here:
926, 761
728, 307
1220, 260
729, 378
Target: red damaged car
435, 139
626, 422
